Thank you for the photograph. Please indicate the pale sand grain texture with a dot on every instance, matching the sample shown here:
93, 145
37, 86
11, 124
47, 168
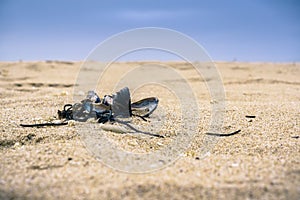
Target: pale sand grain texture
261, 162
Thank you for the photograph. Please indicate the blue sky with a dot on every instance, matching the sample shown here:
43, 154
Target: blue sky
242, 30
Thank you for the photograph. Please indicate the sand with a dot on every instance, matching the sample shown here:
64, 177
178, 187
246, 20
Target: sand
260, 162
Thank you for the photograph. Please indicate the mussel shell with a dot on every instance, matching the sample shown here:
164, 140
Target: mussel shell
144, 107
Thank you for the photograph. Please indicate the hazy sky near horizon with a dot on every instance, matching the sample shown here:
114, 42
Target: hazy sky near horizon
242, 30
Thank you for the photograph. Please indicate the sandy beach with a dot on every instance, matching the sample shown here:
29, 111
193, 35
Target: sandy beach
260, 162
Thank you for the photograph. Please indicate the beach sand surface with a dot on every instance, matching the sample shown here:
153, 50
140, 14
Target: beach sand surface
260, 162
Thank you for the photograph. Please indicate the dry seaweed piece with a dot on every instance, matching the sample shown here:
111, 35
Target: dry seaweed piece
224, 134
44, 124
250, 116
